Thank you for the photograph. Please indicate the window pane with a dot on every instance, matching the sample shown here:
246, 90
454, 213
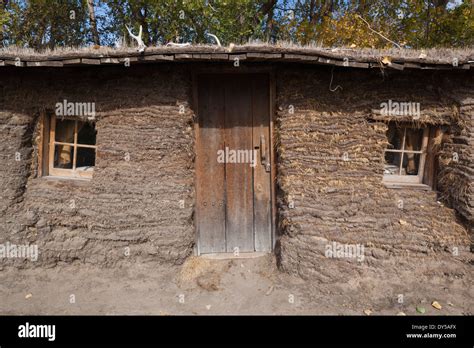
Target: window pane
85, 158
64, 131
411, 162
63, 156
86, 133
414, 138
392, 163
395, 137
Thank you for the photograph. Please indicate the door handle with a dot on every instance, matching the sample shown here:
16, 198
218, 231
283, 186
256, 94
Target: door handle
263, 154
263, 150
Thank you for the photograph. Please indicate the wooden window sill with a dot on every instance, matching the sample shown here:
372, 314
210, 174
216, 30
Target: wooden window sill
394, 185
66, 178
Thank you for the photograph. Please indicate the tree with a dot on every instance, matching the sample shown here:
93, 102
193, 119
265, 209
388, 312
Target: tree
412, 23
4, 17
93, 23
361, 23
189, 21
44, 24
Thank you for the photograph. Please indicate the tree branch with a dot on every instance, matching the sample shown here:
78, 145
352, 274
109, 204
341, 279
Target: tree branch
376, 32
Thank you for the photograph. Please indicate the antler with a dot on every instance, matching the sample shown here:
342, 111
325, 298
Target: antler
173, 44
141, 44
215, 38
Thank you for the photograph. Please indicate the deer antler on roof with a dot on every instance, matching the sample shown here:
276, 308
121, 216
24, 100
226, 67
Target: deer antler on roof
141, 44
215, 38
173, 44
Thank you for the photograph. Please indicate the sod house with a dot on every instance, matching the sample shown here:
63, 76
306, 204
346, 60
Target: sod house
336, 160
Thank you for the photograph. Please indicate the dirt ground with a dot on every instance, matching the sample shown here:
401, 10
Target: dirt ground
235, 286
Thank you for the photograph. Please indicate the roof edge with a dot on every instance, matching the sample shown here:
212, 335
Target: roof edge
399, 59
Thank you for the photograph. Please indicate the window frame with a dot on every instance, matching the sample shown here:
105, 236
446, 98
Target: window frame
62, 172
409, 179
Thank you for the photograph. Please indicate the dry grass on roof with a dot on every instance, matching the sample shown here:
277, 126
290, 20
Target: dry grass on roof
434, 55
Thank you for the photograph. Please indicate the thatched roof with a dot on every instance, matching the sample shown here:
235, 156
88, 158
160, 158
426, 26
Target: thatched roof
348, 57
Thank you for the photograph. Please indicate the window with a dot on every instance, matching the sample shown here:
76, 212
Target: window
405, 155
71, 147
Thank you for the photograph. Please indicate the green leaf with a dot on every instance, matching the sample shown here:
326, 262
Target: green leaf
421, 310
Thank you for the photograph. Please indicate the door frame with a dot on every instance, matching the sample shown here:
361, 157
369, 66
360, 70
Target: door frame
225, 70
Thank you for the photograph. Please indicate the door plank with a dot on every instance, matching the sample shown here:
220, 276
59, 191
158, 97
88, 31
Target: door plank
210, 190
238, 136
262, 178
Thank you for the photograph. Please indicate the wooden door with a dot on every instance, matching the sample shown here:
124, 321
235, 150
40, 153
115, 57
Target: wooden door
233, 169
